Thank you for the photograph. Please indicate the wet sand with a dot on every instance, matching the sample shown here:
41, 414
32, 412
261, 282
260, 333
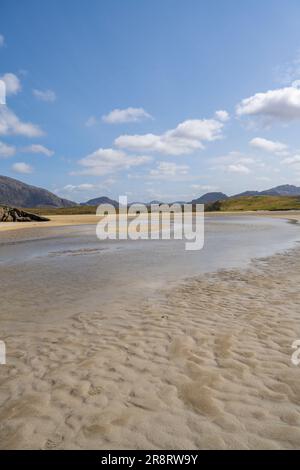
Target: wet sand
205, 365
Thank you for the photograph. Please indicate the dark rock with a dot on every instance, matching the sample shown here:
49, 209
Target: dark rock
12, 214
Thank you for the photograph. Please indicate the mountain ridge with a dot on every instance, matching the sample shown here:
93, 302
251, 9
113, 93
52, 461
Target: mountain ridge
16, 193
100, 200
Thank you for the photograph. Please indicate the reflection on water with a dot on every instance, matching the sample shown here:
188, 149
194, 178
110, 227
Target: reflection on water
64, 271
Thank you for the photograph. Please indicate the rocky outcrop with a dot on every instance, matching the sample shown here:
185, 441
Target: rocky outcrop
12, 214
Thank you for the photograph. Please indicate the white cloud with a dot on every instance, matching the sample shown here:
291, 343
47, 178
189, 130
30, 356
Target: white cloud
79, 187
118, 116
106, 161
234, 157
282, 104
10, 124
22, 168
235, 162
222, 115
269, 146
204, 187
6, 151
168, 170
39, 149
45, 95
12, 83
295, 160
238, 168
1, 40
187, 137
76, 190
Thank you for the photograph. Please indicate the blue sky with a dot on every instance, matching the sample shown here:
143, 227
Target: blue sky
165, 99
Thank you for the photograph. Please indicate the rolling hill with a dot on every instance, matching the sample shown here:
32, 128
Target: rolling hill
209, 198
283, 190
18, 194
100, 200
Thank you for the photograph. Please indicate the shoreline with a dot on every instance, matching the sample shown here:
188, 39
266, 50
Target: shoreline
88, 219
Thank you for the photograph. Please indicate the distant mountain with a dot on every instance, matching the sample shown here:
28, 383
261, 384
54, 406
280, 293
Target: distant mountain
18, 194
247, 193
100, 200
145, 203
209, 198
154, 202
283, 190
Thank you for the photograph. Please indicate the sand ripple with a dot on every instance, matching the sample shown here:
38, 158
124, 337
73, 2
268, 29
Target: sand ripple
208, 366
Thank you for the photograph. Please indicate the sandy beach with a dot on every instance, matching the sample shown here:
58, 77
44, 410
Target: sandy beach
86, 219
206, 365
55, 221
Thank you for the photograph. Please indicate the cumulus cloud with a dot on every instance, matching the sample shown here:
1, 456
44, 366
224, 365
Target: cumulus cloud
204, 187
44, 95
222, 115
10, 124
23, 168
168, 170
106, 160
269, 146
79, 187
12, 83
235, 162
238, 168
76, 190
39, 149
6, 151
282, 104
1, 40
187, 137
118, 116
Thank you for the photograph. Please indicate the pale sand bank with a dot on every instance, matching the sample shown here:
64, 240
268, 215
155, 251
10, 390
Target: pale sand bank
56, 221
207, 367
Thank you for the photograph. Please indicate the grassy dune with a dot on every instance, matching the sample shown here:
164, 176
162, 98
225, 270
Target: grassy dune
244, 203
76, 210
256, 203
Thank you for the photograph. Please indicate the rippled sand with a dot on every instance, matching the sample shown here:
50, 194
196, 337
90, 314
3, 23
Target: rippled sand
208, 366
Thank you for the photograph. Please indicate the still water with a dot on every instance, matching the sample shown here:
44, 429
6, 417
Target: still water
55, 272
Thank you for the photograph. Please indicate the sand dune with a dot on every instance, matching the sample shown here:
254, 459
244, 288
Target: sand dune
207, 365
